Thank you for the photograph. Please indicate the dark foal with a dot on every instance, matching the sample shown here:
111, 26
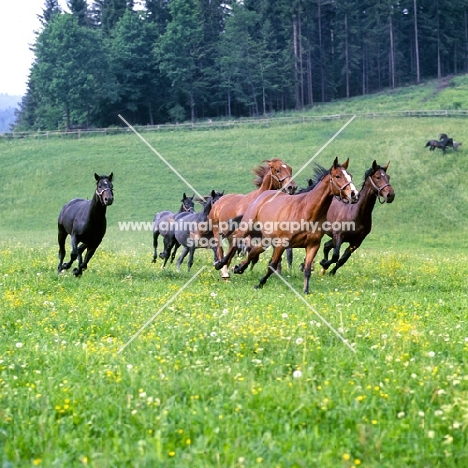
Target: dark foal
433, 144
85, 222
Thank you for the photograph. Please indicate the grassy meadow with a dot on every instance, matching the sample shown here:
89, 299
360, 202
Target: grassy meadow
225, 375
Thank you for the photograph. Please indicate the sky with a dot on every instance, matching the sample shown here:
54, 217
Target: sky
18, 21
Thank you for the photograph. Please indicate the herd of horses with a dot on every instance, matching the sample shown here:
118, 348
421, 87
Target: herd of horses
276, 214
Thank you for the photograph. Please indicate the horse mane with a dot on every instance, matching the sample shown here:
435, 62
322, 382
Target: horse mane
370, 172
319, 173
261, 171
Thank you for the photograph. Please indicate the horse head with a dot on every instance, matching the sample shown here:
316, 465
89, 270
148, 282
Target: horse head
380, 182
216, 195
187, 204
105, 189
275, 175
341, 183
281, 176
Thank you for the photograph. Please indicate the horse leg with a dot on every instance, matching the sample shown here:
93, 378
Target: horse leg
155, 246
325, 263
73, 253
289, 257
272, 266
252, 256
219, 244
190, 260
184, 253
226, 259
344, 258
62, 236
168, 243
311, 251
215, 254
171, 252
83, 265
174, 248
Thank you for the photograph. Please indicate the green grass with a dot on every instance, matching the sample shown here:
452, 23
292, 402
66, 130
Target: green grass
225, 375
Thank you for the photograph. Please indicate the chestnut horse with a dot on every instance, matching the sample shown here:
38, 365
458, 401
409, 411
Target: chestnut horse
272, 175
283, 221
355, 221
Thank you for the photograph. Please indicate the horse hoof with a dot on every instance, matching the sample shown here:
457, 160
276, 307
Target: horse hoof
225, 273
322, 272
218, 265
76, 272
237, 270
258, 286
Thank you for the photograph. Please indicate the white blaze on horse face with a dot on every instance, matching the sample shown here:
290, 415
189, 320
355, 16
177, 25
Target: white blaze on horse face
348, 180
284, 165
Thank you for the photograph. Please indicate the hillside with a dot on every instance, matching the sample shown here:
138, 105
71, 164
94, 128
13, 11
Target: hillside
40, 175
133, 365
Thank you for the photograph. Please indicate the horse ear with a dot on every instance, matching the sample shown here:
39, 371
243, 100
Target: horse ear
213, 194
386, 166
97, 177
345, 164
335, 163
374, 165
184, 196
111, 176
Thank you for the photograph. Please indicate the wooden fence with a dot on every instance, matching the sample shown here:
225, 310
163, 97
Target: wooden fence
219, 124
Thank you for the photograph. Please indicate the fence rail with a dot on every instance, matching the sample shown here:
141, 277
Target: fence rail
233, 123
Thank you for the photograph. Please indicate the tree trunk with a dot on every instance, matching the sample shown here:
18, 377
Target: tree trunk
439, 65
192, 105
301, 74
322, 70
346, 55
466, 40
416, 43
150, 113
296, 71
392, 55
310, 94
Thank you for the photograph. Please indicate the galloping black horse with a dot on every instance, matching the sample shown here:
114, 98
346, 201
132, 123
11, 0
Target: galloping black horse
85, 221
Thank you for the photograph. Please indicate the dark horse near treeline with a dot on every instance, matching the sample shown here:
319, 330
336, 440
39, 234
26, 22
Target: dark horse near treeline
355, 221
85, 222
282, 220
